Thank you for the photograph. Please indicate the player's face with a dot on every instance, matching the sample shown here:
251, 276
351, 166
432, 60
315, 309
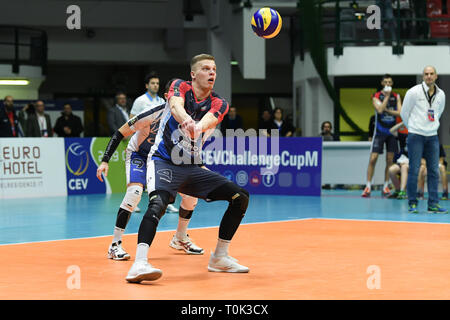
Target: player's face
387, 82
153, 85
204, 74
429, 76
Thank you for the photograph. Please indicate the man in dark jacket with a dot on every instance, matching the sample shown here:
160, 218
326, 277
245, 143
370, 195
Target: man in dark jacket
9, 122
39, 124
231, 121
68, 124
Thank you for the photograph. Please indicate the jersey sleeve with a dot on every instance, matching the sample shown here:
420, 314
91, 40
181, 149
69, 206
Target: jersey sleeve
137, 106
146, 118
178, 88
219, 108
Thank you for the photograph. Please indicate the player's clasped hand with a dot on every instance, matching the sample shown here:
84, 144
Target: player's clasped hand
104, 167
191, 128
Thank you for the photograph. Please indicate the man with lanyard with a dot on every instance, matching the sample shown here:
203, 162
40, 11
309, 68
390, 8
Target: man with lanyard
422, 109
387, 106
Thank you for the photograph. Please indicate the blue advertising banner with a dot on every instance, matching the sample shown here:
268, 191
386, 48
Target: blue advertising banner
285, 166
81, 168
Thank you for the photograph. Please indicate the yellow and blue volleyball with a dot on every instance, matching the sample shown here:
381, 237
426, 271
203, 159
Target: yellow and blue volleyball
266, 23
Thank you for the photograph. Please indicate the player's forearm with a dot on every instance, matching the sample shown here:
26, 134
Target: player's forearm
379, 106
178, 112
117, 137
207, 122
395, 128
393, 112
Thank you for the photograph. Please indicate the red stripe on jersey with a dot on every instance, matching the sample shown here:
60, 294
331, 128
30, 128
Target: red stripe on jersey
219, 108
178, 88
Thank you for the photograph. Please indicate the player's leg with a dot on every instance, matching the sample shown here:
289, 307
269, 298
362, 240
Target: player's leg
135, 166
211, 186
370, 171
375, 150
389, 162
238, 199
163, 181
181, 240
404, 167
391, 149
421, 179
394, 171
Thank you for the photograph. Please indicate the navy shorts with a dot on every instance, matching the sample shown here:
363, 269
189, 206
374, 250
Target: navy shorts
136, 168
380, 140
188, 179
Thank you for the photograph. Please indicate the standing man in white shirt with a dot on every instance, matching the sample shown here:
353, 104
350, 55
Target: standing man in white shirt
145, 102
422, 108
148, 99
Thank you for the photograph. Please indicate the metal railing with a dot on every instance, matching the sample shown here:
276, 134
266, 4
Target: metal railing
23, 46
333, 19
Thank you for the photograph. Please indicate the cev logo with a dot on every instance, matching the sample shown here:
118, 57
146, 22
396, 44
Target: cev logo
77, 159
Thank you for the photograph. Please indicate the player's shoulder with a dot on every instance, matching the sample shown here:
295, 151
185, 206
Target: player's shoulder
140, 99
377, 94
217, 98
181, 82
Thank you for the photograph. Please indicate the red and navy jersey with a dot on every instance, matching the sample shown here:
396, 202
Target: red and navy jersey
384, 121
169, 137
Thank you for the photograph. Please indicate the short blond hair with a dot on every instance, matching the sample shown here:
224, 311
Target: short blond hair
201, 57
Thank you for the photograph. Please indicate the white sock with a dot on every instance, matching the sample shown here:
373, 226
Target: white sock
118, 232
386, 184
368, 185
222, 248
182, 228
142, 252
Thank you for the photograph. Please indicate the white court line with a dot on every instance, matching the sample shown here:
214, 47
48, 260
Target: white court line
126, 234
243, 224
373, 220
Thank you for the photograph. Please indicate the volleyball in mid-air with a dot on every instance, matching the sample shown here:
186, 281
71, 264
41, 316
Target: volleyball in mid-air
266, 23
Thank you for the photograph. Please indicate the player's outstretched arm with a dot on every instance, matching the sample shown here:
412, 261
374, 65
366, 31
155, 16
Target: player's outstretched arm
177, 109
208, 121
124, 131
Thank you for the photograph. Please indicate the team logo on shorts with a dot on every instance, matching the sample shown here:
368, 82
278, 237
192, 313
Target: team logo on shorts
165, 174
241, 178
77, 159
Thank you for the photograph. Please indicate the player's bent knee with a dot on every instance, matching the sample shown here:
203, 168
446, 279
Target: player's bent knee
187, 202
157, 205
132, 197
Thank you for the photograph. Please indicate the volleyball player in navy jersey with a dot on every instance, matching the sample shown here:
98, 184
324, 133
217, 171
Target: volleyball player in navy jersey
387, 106
173, 165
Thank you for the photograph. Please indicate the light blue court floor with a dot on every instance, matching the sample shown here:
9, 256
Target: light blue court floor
43, 219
